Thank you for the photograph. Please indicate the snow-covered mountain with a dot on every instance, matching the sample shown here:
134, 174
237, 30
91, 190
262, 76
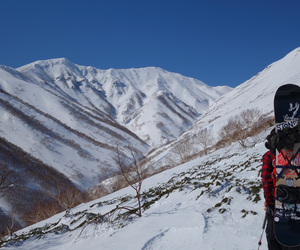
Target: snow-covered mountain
61, 129
155, 104
51, 141
72, 117
256, 93
68, 121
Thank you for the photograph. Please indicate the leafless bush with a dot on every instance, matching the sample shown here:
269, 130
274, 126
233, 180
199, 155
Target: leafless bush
182, 150
97, 192
205, 139
133, 172
69, 197
5, 181
58, 200
240, 127
11, 224
43, 210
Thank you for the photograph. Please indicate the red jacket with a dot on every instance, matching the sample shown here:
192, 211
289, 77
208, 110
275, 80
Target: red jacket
267, 179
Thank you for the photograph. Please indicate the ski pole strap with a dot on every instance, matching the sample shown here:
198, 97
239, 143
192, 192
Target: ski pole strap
283, 168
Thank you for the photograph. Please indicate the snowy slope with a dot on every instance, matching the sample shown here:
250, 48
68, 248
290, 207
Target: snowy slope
50, 139
258, 92
58, 129
214, 202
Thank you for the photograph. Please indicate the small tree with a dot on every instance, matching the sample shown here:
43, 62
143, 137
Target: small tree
205, 139
240, 127
134, 174
38, 212
183, 150
5, 179
69, 197
63, 198
42, 210
10, 224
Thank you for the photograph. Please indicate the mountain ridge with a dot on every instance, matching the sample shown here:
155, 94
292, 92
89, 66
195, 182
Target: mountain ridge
127, 90
65, 116
255, 93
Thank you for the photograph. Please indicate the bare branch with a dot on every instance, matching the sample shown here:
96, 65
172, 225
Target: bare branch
5, 177
205, 139
242, 126
134, 173
183, 150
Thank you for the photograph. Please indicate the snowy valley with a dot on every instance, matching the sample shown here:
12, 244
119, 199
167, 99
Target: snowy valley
68, 122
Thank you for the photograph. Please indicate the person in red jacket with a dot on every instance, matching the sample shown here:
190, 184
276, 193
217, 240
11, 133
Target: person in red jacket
268, 189
268, 161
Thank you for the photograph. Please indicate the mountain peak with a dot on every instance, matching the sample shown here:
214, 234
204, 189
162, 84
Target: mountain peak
45, 64
295, 51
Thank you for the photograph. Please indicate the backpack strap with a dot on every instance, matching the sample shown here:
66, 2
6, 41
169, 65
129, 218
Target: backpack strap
296, 168
290, 166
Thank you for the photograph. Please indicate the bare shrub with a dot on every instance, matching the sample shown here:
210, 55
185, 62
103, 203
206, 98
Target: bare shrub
182, 150
43, 210
69, 197
133, 172
97, 192
10, 226
205, 139
5, 178
240, 127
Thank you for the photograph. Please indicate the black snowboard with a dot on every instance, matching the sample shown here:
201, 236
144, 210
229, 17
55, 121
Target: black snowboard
287, 209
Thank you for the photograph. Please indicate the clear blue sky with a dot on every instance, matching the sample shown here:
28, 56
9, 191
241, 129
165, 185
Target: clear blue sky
221, 42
